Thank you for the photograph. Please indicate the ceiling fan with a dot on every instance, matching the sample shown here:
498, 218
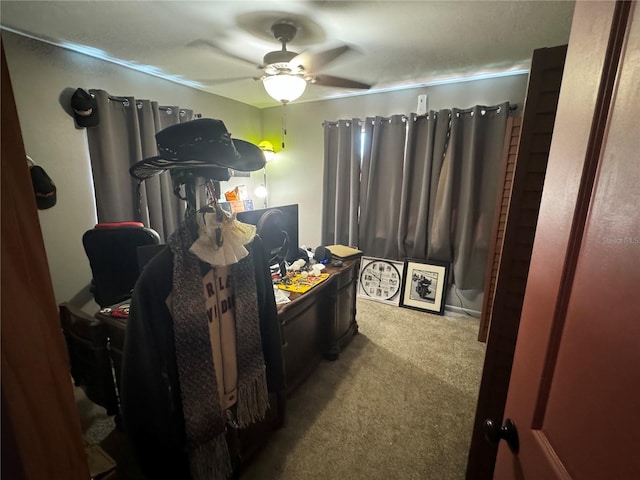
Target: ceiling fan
287, 73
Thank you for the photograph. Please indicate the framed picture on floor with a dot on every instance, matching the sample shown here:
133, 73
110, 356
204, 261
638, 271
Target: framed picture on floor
424, 284
380, 280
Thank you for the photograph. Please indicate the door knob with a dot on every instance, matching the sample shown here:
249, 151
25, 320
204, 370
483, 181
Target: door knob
508, 432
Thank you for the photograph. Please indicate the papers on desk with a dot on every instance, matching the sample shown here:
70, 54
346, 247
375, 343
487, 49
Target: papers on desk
298, 284
281, 295
120, 311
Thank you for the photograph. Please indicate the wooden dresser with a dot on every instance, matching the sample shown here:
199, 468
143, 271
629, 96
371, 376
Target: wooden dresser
319, 323
315, 325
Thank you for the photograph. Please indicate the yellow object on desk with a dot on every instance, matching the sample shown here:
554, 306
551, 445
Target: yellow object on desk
298, 284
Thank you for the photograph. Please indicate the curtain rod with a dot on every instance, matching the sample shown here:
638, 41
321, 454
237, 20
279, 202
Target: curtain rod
125, 102
512, 107
334, 124
118, 99
493, 108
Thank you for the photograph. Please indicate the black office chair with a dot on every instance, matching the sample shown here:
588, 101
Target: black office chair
112, 249
272, 231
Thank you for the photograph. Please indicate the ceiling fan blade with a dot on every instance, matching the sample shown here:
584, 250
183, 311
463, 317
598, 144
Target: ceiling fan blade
201, 42
331, 81
312, 62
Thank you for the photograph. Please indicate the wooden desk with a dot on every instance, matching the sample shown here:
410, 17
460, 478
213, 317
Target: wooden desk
314, 325
318, 323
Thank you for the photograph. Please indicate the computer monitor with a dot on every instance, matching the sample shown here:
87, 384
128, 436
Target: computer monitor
290, 225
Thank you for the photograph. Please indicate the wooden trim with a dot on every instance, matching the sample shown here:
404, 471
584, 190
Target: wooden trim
44, 438
508, 167
594, 148
521, 207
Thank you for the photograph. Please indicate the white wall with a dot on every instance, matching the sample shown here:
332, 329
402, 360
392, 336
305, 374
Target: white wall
296, 175
40, 72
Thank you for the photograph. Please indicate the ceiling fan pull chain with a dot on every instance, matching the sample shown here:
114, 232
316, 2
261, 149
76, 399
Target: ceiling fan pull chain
284, 123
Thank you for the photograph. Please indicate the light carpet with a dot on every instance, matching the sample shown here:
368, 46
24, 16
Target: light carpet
399, 403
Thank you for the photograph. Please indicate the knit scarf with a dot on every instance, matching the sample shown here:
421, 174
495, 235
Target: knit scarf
204, 417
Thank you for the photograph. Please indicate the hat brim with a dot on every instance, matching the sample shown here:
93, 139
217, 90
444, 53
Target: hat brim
250, 158
149, 167
43, 187
86, 121
46, 200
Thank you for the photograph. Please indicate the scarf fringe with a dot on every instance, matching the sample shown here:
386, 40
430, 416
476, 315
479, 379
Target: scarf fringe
211, 460
253, 400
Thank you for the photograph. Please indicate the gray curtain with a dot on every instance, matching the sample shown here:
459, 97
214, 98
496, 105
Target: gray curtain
381, 185
426, 143
124, 136
427, 187
466, 193
342, 143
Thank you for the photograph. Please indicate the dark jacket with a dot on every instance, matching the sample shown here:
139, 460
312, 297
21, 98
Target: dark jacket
150, 389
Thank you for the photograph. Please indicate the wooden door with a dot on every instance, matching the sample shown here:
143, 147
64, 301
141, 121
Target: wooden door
526, 156
574, 392
41, 434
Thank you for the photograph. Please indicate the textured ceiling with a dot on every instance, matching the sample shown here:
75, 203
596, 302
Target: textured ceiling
396, 43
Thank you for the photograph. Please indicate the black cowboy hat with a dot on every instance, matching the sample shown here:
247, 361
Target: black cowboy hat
204, 142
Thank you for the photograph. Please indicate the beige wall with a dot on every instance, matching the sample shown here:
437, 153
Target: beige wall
296, 176
39, 72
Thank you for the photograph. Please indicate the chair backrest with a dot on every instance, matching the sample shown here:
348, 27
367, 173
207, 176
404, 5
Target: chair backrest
112, 250
271, 229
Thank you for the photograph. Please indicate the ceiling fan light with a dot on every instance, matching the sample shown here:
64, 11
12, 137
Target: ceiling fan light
284, 88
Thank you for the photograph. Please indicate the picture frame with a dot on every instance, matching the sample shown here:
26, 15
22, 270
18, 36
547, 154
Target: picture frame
380, 279
424, 285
